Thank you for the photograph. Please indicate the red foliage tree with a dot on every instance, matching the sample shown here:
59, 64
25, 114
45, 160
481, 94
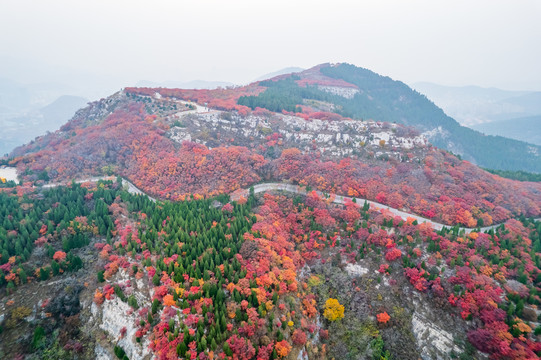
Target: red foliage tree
59, 256
299, 337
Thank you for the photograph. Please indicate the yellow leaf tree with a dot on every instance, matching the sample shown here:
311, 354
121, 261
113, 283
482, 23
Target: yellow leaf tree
333, 310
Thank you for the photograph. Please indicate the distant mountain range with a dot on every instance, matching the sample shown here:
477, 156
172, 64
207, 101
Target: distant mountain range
19, 127
472, 105
526, 129
287, 70
16, 97
204, 84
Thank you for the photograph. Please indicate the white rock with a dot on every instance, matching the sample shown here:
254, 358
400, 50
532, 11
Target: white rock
345, 92
8, 173
432, 339
114, 318
101, 353
356, 270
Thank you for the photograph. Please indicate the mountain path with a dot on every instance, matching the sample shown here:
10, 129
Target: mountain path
340, 199
132, 189
337, 199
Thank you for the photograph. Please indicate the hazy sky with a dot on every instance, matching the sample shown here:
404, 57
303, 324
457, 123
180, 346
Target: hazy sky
114, 43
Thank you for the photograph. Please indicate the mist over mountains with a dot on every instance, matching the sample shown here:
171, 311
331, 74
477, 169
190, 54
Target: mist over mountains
28, 111
473, 105
492, 111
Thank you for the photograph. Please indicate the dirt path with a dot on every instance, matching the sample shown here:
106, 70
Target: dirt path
198, 108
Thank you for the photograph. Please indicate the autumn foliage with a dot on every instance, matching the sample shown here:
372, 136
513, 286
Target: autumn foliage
168, 300
141, 154
383, 317
333, 310
135, 144
236, 269
227, 276
282, 348
59, 256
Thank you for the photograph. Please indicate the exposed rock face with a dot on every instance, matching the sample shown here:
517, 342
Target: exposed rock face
179, 135
333, 138
116, 315
102, 354
433, 341
113, 316
356, 270
346, 92
421, 328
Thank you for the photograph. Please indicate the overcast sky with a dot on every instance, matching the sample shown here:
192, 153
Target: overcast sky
116, 43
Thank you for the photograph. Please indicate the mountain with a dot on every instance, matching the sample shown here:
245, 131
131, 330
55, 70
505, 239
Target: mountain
21, 126
472, 105
17, 97
239, 227
527, 129
287, 70
398, 103
62, 108
529, 104
30, 110
362, 94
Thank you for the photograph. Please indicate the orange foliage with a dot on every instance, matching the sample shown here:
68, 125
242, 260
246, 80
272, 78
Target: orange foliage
59, 256
522, 327
168, 300
98, 297
383, 317
282, 348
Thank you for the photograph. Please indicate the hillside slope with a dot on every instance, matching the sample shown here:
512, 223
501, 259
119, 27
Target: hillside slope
172, 148
91, 271
98, 273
